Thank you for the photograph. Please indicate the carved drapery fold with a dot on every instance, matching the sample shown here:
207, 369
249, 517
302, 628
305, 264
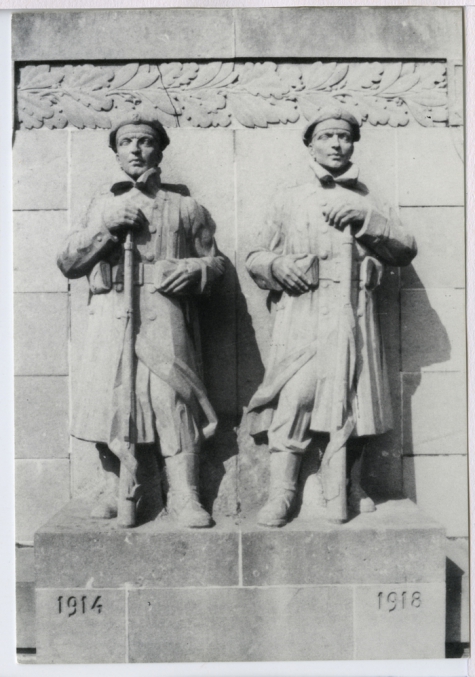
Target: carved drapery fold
219, 94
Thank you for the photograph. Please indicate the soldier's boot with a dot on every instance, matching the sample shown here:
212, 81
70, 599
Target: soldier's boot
106, 506
183, 503
358, 499
284, 474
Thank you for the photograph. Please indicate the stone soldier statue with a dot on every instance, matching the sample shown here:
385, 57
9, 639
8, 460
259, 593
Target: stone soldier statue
298, 259
176, 258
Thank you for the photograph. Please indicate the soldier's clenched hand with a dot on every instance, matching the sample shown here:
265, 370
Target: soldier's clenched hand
345, 210
123, 216
291, 277
187, 273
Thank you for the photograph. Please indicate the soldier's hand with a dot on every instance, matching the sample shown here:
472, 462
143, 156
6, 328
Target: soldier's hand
124, 216
287, 272
345, 210
187, 274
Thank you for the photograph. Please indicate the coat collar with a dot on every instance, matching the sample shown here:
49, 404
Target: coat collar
148, 182
348, 178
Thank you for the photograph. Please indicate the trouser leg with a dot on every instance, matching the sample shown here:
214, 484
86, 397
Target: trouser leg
358, 499
289, 437
106, 503
179, 438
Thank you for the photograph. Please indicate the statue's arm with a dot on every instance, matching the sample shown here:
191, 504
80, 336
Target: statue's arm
86, 245
203, 244
269, 247
385, 235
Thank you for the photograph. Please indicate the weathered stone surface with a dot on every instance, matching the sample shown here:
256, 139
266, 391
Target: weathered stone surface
457, 627
399, 621
123, 34
25, 564
79, 627
439, 484
440, 236
434, 413
40, 170
25, 615
41, 332
41, 489
36, 238
394, 544
239, 624
77, 551
395, 32
433, 330
41, 417
430, 170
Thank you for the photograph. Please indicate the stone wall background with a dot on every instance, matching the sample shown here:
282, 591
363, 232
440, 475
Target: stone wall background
234, 172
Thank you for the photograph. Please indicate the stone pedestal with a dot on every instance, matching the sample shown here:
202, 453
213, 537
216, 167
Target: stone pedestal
372, 588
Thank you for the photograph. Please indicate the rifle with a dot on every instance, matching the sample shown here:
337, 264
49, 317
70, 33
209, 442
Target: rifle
334, 460
128, 487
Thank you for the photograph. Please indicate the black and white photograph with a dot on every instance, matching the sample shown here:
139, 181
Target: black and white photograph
240, 349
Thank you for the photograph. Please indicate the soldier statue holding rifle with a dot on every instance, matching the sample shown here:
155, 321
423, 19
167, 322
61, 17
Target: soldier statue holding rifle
146, 250
321, 254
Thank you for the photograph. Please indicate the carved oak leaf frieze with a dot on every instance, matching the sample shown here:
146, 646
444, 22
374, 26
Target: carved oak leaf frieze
222, 93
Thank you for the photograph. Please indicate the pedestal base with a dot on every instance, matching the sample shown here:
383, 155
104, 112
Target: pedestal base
372, 588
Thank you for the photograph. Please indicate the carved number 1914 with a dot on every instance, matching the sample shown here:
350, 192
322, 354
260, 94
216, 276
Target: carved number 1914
393, 600
72, 605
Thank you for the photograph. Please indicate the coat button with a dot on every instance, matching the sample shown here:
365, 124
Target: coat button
324, 310
325, 284
152, 229
323, 255
99, 237
324, 229
151, 315
149, 257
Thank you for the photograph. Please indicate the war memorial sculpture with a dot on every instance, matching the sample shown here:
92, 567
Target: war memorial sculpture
240, 431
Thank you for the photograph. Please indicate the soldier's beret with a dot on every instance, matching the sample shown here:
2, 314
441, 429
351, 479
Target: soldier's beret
332, 112
136, 118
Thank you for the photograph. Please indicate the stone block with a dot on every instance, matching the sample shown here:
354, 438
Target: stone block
25, 615
239, 624
40, 170
340, 556
439, 486
433, 330
123, 34
41, 334
74, 550
440, 236
37, 236
41, 417
24, 564
411, 612
41, 489
395, 32
457, 627
434, 413
81, 626
430, 170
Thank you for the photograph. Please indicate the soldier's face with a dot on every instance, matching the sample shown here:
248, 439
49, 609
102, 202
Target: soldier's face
138, 149
332, 144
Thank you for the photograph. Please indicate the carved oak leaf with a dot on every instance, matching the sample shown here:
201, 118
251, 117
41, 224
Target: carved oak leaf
262, 79
213, 75
168, 120
391, 73
364, 76
432, 75
33, 107
87, 77
39, 77
83, 116
427, 116
145, 76
311, 102
161, 100
178, 74
292, 76
252, 111
124, 74
324, 75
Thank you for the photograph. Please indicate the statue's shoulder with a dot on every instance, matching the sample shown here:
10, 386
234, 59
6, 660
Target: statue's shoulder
297, 193
175, 190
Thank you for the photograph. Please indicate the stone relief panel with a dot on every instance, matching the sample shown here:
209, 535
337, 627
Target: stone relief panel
224, 93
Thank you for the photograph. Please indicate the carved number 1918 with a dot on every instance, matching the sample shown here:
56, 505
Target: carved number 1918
78, 605
393, 600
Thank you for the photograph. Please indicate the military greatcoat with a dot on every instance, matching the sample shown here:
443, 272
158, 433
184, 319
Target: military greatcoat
169, 392
297, 394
